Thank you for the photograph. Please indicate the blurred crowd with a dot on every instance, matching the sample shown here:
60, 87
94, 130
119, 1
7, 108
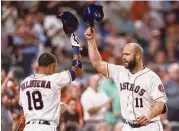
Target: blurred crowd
30, 28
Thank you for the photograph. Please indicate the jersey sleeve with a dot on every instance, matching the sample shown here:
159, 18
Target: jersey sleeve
61, 79
157, 91
114, 70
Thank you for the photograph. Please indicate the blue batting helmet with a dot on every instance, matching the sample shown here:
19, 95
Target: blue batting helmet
70, 22
93, 13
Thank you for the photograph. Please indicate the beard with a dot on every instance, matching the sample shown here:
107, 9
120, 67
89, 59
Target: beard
131, 64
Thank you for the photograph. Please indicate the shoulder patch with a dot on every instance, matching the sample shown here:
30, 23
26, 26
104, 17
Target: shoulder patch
161, 88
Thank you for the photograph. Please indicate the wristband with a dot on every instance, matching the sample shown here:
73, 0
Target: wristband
76, 50
77, 63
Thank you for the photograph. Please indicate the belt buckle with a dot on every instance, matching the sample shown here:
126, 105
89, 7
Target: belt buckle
41, 121
34, 122
133, 122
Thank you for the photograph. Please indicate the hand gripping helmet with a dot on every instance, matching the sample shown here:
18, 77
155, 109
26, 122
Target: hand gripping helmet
70, 22
93, 13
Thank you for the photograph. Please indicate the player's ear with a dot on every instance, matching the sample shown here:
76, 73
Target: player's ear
137, 55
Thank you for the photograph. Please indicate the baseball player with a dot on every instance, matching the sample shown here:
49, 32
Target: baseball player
40, 93
141, 92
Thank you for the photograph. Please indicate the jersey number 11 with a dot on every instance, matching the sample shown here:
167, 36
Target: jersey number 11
139, 102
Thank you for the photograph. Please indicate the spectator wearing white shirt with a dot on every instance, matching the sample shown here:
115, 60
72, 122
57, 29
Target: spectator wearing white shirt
9, 15
95, 104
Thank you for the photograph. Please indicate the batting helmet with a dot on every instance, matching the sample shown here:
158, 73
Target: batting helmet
70, 22
93, 12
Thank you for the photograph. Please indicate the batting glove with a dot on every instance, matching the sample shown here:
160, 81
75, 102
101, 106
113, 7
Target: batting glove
75, 40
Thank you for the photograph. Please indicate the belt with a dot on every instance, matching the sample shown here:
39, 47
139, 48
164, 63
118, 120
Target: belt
134, 125
39, 122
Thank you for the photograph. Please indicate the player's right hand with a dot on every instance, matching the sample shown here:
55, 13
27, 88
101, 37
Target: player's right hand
90, 33
75, 40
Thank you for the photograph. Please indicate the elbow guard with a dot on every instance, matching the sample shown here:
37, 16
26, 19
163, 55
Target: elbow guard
72, 73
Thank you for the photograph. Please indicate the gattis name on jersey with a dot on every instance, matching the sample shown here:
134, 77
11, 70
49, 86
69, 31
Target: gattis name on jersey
132, 87
36, 83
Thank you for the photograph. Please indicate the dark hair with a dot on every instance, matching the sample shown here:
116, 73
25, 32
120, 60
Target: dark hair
46, 59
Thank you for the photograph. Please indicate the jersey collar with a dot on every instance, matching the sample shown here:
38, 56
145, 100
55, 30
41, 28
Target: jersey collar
143, 71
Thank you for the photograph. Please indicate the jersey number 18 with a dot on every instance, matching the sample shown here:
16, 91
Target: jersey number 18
36, 98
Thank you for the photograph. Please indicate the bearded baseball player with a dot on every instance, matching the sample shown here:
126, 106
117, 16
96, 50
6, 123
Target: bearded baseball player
40, 93
141, 92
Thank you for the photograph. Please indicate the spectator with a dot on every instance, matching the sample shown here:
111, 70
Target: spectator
95, 104
115, 40
102, 127
6, 119
144, 31
160, 59
3, 75
139, 8
5, 51
27, 41
58, 39
104, 30
109, 8
9, 15
172, 91
112, 117
30, 23
71, 118
107, 55
172, 51
74, 91
124, 23
172, 28
9, 101
153, 47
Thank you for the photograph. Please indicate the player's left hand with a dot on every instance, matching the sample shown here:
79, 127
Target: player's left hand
143, 120
75, 40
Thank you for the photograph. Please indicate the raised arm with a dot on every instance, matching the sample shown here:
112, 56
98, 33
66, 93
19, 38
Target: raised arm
66, 77
76, 69
94, 55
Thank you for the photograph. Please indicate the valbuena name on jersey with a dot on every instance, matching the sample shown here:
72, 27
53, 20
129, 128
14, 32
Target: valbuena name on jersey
36, 83
132, 87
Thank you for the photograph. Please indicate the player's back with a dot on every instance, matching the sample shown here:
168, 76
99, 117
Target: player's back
40, 96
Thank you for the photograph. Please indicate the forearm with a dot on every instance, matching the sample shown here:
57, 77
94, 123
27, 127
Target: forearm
156, 109
94, 110
94, 54
3, 86
76, 63
74, 68
76, 57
